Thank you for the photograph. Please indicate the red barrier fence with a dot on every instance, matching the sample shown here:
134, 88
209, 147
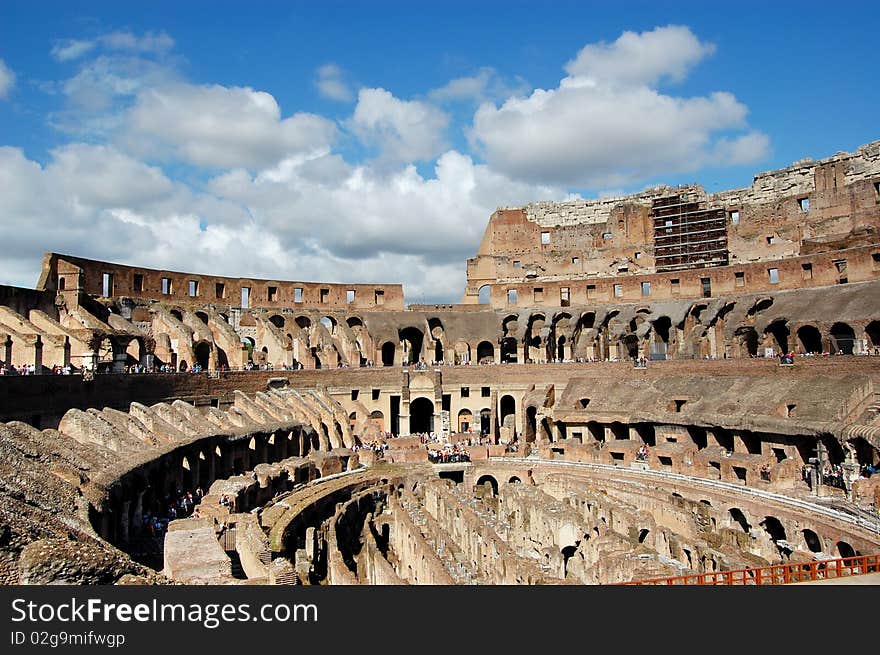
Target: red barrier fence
777, 573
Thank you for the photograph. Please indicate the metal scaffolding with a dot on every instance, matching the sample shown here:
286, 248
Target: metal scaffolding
687, 234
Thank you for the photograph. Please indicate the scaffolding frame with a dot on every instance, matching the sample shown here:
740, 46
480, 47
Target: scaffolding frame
687, 234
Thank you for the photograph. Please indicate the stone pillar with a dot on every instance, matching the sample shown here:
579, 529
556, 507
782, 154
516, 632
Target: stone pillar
7, 351
38, 356
137, 520
123, 521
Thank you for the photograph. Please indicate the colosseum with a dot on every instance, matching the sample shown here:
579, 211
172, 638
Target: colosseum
669, 387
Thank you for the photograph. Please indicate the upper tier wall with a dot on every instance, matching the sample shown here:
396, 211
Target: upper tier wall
71, 276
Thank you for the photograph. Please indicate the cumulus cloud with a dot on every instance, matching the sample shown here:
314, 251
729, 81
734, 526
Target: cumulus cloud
605, 125
69, 49
641, 58
220, 127
151, 43
403, 130
485, 84
331, 84
7, 80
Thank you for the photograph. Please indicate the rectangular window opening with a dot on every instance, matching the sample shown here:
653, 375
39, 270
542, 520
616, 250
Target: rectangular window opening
539, 294
807, 271
245, 297
272, 294
465, 392
575, 260
137, 282
545, 238
297, 294
707, 286
379, 297
773, 273
354, 394
325, 295
734, 218
193, 288
107, 285
220, 290
166, 286
804, 204
606, 236
375, 394
565, 296
485, 392
511, 296
349, 296
591, 291
674, 285
618, 290
739, 279
517, 263
646, 288
771, 240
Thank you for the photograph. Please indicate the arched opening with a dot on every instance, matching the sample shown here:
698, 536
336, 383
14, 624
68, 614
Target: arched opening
421, 416
485, 421
507, 407
508, 350
811, 539
631, 345
567, 553
810, 339
643, 534
203, 317
176, 313
748, 339
329, 324
845, 550
377, 418
465, 420
250, 344
515, 480
412, 339
222, 359
483, 294
203, 354
843, 338
560, 348
277, 321
872, 332
134, 350
488, 480
388, 349
531, 423
774, 528
304, 322
780, 332
485, 353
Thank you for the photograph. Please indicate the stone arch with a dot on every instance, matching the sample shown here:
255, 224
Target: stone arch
508, 350
872, 333
202, 352
812, 540
842, 338
176, 313
780, 332
412, 339
507, 406
488, 479
483, 295
465, 420
462, 351
202, 316
485, 352
377, 418
844, 549
277, 320
304, 322
810, 339
485, 420
388, 350
774, 528
421, 416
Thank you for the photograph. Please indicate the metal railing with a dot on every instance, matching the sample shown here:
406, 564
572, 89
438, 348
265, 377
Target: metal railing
775, 574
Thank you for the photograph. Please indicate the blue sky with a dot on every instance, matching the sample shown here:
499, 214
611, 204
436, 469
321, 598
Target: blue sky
370, 141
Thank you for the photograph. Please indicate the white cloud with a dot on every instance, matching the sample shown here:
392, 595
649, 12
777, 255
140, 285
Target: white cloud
331, 84
148, 43
606, 126
221, 127
7, 80
403, 130
485, 84
69, 49
641, 58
